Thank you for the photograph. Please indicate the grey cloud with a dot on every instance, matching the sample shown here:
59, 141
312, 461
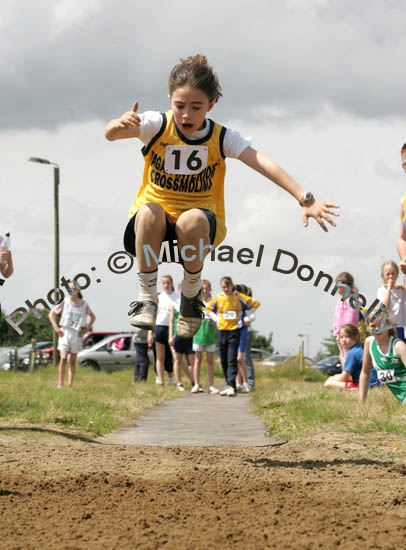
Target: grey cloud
292, 56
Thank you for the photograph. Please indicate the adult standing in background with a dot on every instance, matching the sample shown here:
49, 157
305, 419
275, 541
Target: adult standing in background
142, 340
166, 300
248, 320
402, 233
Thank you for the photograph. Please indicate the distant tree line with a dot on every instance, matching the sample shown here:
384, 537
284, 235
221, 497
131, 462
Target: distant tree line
40, 329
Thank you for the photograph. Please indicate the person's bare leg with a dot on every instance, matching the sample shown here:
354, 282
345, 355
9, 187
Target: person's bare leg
242, 367
193, 230
177, 367
62, 367
187, 370
150, 227
210, 367
333, 383
197, 366
160, 361
72, 368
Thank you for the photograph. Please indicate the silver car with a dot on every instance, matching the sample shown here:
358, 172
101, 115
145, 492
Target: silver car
113, 353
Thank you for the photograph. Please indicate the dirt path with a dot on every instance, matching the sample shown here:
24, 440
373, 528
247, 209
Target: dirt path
58, 493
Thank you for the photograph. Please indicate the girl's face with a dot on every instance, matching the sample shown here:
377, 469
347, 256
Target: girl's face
190, 106
390, 274
73, 289
342, 289
206, 288
227, 288
346, 341
167, 285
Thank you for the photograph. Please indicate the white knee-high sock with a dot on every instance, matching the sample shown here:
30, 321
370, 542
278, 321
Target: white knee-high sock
148, 284
191, 283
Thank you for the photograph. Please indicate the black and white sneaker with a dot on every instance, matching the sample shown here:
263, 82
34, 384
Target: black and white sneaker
190, 315
143, 314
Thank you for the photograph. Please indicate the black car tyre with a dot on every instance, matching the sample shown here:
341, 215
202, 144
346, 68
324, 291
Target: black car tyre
91, 365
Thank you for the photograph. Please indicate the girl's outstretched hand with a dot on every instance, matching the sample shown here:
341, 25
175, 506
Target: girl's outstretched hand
320, 211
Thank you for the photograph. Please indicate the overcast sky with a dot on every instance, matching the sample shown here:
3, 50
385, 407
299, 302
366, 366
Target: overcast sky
318, 84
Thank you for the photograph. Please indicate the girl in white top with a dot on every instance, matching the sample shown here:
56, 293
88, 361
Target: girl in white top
72, 326
393, 295
166, 300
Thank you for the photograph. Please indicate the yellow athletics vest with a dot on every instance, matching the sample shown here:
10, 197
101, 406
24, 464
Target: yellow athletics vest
180, 173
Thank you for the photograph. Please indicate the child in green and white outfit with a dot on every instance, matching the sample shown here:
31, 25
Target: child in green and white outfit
387, 354
205, 341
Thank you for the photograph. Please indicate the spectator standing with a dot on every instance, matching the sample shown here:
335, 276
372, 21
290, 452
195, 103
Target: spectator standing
72, 325
205, 341
393, 295
344, 313
143, 341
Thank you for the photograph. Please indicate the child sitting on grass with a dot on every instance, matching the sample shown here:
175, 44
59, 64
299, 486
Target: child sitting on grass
348, 379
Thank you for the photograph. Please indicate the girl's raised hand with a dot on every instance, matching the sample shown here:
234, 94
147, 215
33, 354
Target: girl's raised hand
320, 211
130, 119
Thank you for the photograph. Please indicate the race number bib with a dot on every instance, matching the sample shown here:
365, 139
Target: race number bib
185, 159
229, 314
386, 376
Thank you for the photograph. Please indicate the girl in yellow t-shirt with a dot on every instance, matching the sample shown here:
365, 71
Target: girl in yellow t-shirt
228, 309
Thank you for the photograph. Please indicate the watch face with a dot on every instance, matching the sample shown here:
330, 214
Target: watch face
308, 197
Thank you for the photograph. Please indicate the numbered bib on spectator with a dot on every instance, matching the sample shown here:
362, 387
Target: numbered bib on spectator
229, 314
386, 376
185, 159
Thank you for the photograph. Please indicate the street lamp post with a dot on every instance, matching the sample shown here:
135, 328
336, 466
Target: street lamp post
307, 342
56, 233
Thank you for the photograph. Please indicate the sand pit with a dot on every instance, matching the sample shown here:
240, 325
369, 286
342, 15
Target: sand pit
324, 492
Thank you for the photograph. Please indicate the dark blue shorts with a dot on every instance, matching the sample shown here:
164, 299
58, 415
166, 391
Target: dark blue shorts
170, 235
161, 334
183, 345
243, 340
400, 332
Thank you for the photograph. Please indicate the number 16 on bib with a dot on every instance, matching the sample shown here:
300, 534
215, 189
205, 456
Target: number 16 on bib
185, 159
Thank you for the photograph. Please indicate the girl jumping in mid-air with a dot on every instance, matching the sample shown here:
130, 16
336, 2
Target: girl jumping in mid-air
181, 197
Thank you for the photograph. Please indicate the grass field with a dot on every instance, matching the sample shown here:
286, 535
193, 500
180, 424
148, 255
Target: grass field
292, 404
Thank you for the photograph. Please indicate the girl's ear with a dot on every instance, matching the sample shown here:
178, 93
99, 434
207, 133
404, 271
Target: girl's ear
211, 105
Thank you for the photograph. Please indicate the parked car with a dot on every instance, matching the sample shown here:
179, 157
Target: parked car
276, 360
328, 365
260, 354
103, 355
24, 354
88, 340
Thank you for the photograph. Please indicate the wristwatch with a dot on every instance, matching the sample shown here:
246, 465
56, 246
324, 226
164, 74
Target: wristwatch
307, 199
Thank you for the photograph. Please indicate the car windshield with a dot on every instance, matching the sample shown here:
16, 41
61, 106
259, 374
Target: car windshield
27, 347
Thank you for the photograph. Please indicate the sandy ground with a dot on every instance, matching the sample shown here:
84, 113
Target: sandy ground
325, 492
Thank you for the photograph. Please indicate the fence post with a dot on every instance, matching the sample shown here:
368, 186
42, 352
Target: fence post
33, 356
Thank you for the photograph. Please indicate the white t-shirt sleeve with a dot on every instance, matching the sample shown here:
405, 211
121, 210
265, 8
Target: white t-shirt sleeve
151, 122
234, 143
381, 293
